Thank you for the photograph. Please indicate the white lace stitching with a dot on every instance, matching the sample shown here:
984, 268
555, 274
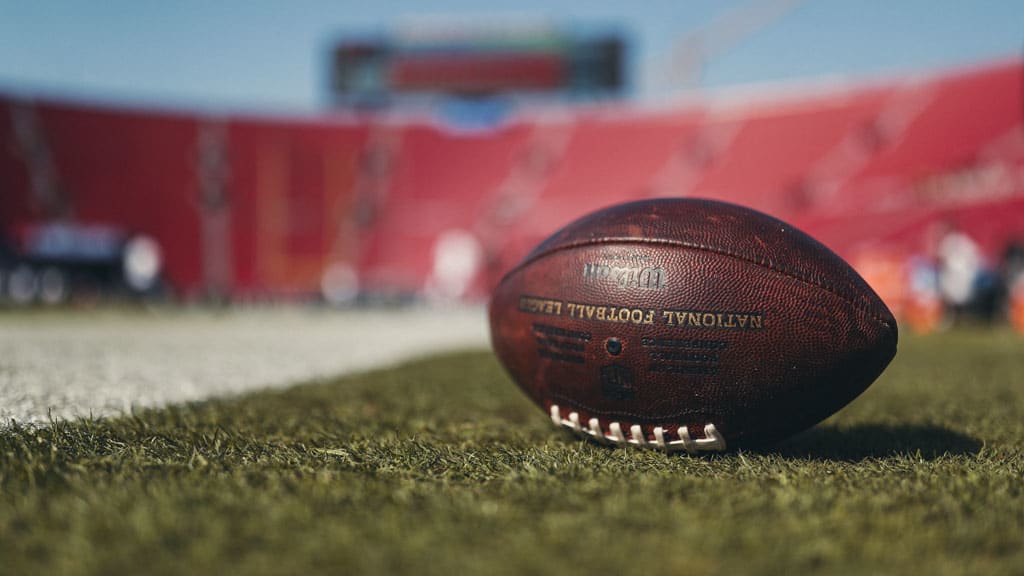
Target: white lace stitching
713, 441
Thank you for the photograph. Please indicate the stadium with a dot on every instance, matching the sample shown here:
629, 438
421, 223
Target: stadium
257, 340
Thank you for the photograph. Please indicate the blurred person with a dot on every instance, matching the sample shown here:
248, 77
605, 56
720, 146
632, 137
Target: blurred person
1015, 305
1011, 284
1011, 267
924, 306
960, 270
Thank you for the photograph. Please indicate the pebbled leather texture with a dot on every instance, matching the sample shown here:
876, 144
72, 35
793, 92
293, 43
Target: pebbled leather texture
684, 312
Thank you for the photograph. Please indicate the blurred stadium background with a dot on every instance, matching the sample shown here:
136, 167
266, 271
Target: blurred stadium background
449, 147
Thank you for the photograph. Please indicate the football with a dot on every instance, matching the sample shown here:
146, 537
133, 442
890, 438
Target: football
688, 325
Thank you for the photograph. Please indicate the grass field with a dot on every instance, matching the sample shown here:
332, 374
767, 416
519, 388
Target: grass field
442, 467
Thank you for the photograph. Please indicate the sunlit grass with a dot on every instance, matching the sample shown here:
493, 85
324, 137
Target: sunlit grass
442, 467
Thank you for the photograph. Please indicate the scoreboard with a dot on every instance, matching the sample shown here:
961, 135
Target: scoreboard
477, 61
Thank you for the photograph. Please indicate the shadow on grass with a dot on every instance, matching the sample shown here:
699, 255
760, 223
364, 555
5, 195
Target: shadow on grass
864, 441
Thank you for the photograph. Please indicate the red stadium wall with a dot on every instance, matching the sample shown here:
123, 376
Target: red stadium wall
15, 203
436, 189
132, 169
254, 207
291, 190
587, 162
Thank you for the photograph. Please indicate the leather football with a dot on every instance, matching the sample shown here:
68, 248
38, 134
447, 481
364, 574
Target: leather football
688, 324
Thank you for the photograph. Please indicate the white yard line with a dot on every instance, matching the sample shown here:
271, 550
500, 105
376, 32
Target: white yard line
77, 364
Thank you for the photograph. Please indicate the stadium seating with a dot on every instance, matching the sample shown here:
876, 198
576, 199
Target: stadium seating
435, 184
266, 207
291, 194
591, 162
132, 168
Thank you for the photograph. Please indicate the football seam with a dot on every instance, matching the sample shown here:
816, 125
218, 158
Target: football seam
712, 441
554, 398
804, 278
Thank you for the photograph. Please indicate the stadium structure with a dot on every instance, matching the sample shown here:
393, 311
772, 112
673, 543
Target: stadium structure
377, 202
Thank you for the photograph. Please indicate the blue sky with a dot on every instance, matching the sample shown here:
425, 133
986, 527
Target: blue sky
271, 55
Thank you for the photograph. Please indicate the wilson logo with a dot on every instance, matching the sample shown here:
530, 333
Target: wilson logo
642, 277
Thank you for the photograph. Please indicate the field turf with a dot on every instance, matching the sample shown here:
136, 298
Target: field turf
441, 467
